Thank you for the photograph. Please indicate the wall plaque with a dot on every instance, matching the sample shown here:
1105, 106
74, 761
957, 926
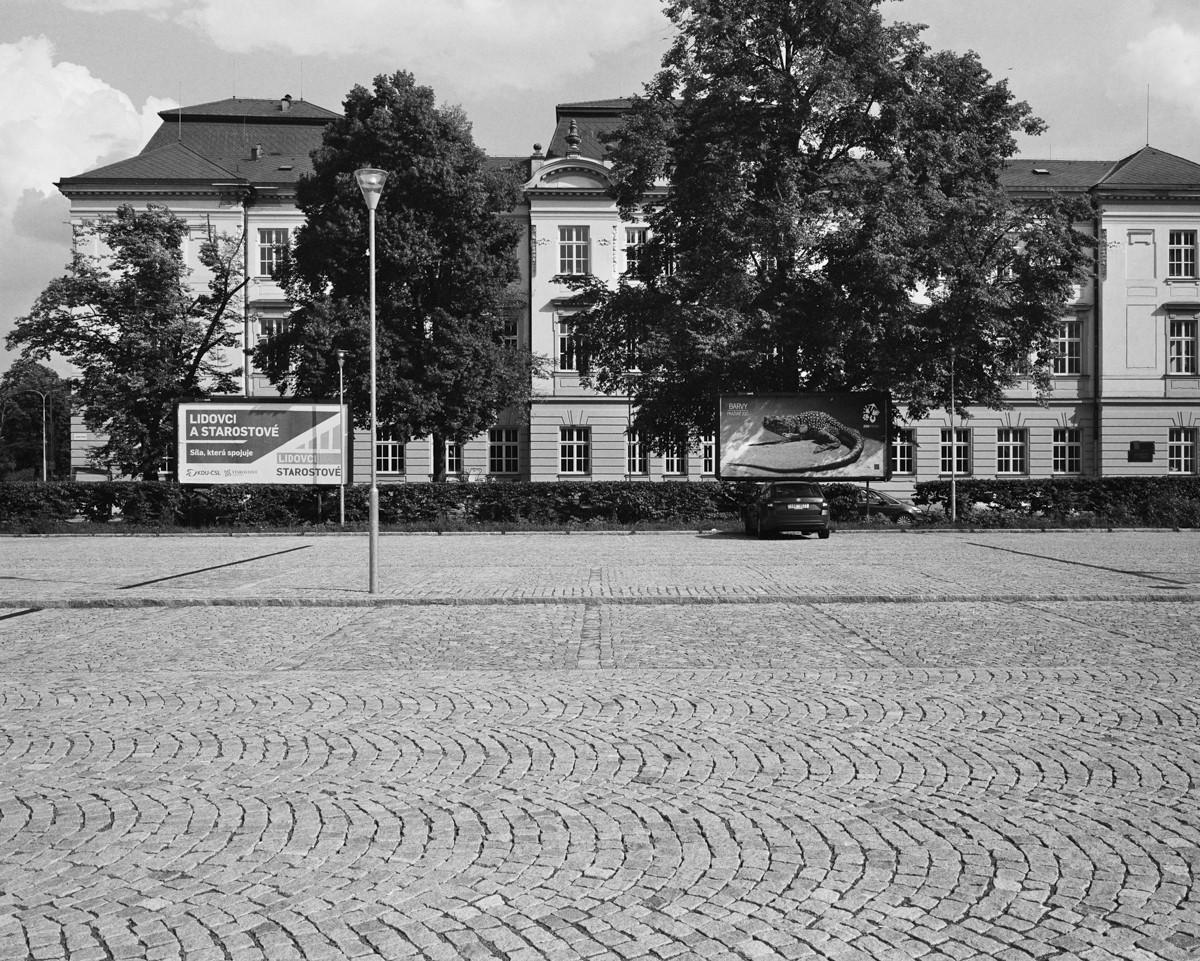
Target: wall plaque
1141, 451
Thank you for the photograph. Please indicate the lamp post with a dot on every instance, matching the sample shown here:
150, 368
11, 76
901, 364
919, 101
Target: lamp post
953, 449
370, 182
45, 401
341, 356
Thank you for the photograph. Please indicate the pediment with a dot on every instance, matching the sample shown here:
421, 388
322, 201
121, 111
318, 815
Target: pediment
577, 175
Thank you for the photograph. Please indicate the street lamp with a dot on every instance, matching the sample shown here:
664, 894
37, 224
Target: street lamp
341, 356
370, 182
45, 401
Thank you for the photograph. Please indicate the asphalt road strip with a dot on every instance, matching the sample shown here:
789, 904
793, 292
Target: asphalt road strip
28, 610
215, 567
1099, 567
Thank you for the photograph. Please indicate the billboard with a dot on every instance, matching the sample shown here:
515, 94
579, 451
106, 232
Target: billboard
805, 436
244, 442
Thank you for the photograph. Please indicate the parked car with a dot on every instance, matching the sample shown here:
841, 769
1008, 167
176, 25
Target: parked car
788, 506
894, 510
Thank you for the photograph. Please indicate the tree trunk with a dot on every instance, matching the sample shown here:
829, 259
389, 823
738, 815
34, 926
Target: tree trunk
439, 458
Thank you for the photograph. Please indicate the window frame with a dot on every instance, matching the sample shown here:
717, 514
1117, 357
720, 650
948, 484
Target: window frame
708, 454
904, 449
504, 449
454, 457
1067, 449
388, 443
959, 449
637, 456
1181, 345
571, 357
270, 254
1181, 450
675, 460
635, 243
1068, 353
575, 451
1012, 450
1181, 255
574, 251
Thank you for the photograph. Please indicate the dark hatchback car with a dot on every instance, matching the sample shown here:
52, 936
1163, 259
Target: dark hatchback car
788, 506
875, 504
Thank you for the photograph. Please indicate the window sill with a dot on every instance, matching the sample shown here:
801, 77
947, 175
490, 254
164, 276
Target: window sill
574, 476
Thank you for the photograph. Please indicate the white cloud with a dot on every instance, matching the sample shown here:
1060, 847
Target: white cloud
1168, 57
64, 122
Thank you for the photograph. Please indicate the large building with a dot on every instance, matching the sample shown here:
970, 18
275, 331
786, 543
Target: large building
1126, 394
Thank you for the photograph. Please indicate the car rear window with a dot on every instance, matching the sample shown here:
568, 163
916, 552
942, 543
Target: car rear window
797, 490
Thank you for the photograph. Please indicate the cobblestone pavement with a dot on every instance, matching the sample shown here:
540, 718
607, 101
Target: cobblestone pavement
554, 567
605, 778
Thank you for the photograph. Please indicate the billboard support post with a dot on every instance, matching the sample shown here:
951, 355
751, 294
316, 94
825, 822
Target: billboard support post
953, 449
346, 436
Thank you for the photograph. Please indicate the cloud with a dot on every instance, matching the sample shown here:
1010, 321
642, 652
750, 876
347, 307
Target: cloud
478, 43
1169, 58
64, 122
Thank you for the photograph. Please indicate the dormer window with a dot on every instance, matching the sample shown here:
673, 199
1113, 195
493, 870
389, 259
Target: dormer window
1041, 171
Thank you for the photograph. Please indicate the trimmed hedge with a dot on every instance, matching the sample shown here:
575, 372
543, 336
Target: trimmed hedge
1149, 501
285, 505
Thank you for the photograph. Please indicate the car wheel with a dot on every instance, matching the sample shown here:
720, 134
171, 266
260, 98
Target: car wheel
824, 535
903, 520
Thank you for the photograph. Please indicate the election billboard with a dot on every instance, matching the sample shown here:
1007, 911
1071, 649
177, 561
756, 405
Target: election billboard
840, 436
244, 442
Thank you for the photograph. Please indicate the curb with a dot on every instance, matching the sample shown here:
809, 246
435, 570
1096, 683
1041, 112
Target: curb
101, 603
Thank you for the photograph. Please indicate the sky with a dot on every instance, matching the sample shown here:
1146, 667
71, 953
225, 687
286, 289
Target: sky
84, 80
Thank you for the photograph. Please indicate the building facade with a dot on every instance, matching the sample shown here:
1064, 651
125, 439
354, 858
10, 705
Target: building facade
1126, 391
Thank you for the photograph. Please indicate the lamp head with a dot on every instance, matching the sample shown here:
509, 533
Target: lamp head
341, 356
370, 182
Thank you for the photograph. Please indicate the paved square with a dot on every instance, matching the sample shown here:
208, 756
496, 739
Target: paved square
610, 771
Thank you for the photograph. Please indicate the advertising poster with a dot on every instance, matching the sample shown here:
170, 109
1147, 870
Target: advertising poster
805, 436
243, 442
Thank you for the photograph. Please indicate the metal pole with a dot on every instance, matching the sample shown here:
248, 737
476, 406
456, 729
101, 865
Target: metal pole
345, 434
374, 500
953, 449
45, 399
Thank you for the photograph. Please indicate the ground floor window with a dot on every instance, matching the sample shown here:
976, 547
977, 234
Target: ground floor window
904, 446
503, 451
708, 453
675, 459
389, 455
574, 450
454, 460
1068, 450
956, 454
1010, 450
636, 461
1181, 451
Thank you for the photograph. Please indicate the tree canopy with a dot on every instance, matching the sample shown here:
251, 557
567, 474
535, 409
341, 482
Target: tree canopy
826, 213
29, 390
140, 335
445, 259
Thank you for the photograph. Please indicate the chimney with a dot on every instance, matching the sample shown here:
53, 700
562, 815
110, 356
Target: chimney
286, 103
256, 152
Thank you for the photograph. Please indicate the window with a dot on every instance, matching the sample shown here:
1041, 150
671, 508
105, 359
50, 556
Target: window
389, 455
574, 450
1181, 346
454, 461
503, 451
271, 245
903, 452
1010, 450
1068, 353
635, 455
1181, 451
574, 251
635, 240
1068, 451
508, 336
675, 459
708, 454
272, 327
1181, 254
571, 351
956, 457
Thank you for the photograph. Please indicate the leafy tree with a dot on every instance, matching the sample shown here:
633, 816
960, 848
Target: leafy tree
25, 389
445, 258
826, 212
137, 330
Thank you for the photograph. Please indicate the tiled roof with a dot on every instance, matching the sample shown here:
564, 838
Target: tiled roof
616, 105
300, 110
1054, 174
1150, 167
230, 145
590, 129
174, 161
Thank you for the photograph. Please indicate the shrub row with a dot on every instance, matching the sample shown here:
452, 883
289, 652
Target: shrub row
1153, 501
280, 506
